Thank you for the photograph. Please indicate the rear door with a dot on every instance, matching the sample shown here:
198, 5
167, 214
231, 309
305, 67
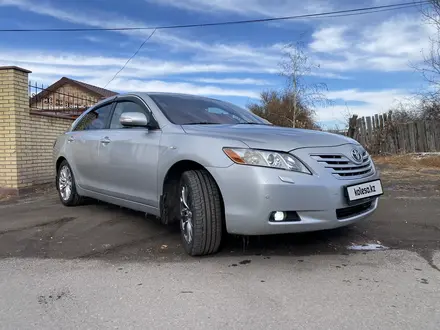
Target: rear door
128, 156
83, 143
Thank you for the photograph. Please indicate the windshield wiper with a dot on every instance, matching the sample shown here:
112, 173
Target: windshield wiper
202, 123
252, 123
211, 123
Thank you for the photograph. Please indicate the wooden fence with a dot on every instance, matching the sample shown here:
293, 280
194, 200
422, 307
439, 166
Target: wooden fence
380, 134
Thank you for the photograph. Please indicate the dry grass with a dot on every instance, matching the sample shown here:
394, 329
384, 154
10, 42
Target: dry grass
410, 161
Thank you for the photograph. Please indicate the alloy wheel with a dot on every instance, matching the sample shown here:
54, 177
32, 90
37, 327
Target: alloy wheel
65, 183
186, 217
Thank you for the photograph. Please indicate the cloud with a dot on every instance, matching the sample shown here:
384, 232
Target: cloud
243, 53
72, 16
125, 85
398, 36
110, 20
139, 85
264, 58
268, 55
233, 81
361, 103
98, 70
249, 7
101, 19
388, 46
88, 65
92, 39
329, 39
368, 97
391, 45
330, 75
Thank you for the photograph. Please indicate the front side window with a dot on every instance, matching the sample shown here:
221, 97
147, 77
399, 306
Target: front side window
122, 107
187, 110
95, 119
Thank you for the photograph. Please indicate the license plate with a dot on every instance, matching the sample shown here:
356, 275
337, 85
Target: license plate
364, 190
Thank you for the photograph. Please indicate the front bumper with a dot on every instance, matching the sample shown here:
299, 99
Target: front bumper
251, 194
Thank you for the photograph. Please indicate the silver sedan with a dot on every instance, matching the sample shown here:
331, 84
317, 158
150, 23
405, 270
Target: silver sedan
214, 168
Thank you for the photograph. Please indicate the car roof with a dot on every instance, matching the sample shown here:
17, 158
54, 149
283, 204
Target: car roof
142, 94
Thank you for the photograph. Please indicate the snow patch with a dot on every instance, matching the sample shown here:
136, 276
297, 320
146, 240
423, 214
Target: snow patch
367, 247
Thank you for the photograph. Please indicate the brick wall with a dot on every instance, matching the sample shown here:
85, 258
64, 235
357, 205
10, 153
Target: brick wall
26, 139
44, 132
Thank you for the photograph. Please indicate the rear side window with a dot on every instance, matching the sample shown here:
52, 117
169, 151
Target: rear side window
95, 119
122, 107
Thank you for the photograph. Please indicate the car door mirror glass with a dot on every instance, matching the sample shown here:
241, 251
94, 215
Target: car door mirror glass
131, 119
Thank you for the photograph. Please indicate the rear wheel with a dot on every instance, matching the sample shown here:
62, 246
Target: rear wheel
66, 185
200, 213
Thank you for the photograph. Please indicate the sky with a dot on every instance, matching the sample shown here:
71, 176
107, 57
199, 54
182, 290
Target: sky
366, 61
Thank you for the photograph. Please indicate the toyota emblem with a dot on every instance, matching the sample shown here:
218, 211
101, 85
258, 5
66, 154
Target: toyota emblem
357, 157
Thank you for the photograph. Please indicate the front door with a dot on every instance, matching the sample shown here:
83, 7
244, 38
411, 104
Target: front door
129, 157
83, 141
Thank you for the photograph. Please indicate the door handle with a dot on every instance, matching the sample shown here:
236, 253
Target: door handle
105, 140
70, 139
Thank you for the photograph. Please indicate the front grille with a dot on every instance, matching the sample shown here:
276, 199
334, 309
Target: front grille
344, 168
352, 211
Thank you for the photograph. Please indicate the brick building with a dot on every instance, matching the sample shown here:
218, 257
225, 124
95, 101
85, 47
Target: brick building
66, 94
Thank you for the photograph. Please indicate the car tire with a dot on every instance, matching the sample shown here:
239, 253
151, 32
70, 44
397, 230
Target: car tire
66, 186
200, 202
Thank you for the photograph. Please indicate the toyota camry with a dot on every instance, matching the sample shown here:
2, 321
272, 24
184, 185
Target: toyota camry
214, 168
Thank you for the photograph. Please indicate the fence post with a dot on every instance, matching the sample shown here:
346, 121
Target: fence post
436, 134
369, 132
352, 126
14, 114
421, 136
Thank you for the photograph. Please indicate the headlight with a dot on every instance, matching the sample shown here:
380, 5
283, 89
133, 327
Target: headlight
274, 159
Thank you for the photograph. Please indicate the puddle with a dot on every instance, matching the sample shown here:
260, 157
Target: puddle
367, 247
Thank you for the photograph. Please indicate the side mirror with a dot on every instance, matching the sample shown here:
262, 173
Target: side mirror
133, 119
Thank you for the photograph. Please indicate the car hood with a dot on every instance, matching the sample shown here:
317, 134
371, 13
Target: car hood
270, 137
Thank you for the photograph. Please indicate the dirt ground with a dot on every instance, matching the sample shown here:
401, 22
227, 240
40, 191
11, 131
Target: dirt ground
104, 267
408, 218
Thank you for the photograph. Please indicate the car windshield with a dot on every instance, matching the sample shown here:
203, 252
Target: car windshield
190, 110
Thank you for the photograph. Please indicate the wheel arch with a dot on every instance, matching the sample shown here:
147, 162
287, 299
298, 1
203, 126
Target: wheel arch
60, 159
58, 163
169, 181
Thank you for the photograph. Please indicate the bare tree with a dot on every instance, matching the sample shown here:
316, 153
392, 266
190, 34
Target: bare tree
297, 69
276, 107
429, 102
430, 68
416, 108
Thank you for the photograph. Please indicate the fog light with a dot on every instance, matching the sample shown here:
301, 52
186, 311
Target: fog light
279, 216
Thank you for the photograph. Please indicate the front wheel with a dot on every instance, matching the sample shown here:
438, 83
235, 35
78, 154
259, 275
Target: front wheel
200, 213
